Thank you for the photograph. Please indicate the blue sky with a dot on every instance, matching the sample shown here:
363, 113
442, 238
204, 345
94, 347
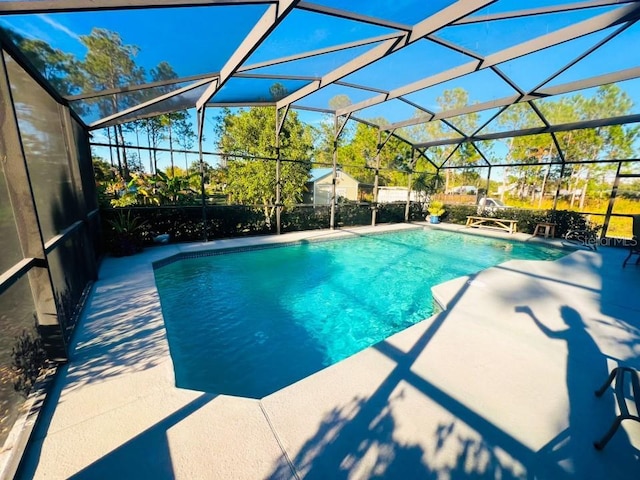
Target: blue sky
199, 40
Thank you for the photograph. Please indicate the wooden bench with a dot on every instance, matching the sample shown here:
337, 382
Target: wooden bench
503, 224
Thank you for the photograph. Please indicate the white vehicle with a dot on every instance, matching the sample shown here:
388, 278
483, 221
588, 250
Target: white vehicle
491, 205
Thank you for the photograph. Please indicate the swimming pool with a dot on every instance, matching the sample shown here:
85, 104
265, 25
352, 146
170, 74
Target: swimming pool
252, 322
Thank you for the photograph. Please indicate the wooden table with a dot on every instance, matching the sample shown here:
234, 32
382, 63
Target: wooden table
503, 224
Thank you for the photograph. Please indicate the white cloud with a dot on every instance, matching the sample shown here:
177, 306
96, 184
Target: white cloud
58, 26
27, 31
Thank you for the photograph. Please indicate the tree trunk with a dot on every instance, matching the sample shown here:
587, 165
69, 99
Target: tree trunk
110, 147
544, 185
155, 153
115, 135
584, 191
267, 214
125, 163
173, 173
136, 126
505, 176
149, 144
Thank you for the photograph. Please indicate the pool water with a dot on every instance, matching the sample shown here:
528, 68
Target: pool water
252, 322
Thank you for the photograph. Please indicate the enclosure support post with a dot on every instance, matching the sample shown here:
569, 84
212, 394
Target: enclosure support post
563, 160
332, 219
337, 131
374, 209
111, 148
280, 118
201, 161
407, 207
612, 199
74, 158
278, 201
115, 136
27, 222
412, 165
379, 147
555, 196
486, 194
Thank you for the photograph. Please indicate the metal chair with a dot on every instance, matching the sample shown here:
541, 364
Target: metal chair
634, 248
619, 373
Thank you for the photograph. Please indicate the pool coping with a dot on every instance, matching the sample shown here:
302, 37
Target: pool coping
215, 251
158, 254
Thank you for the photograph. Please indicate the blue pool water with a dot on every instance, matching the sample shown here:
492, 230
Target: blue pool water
250, 323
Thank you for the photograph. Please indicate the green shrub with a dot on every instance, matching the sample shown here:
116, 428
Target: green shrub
28, 358
353, 214
306, 217
184, 223
125, 233
458, 213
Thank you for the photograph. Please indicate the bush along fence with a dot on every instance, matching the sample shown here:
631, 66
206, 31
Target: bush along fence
129, 229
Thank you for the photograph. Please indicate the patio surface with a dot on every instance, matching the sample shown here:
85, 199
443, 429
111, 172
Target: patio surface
499, 385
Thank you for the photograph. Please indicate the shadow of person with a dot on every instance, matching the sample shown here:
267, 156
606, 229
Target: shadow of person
587, 417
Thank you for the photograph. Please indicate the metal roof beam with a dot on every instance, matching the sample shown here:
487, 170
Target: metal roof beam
240, 70
109, 120
507, 80
315, 53
558, 147
353, 65
539, 11
136, 88
596, 81
604, 79
455, 47
420, 30
565, 127
174, 81
313, 109
583, 55
563, 35
263, 27
360, 87
450, 74
416, 106
545, 41
243, 104
476, 107
54, 6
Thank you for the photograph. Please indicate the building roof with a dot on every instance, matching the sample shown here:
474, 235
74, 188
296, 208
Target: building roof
318, 173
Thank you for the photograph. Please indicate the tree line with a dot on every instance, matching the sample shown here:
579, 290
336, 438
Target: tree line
111, 64
531, 164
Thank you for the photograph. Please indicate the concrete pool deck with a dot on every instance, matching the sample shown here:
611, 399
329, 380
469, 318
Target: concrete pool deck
498, 385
